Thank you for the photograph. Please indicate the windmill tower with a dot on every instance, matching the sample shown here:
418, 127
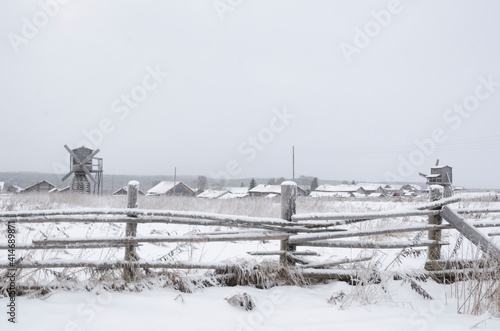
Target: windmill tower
441, 175
83, 165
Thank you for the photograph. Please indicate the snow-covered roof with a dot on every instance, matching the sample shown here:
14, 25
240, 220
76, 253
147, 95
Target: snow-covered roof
393, 187
320, 194
238, 190
413, 187
16, 189
261, 188
124, 190
234, 195
371, 186
161, 188
212, 194
433, 176
376, 195
337, 188
440, 167
40, 182
164, 187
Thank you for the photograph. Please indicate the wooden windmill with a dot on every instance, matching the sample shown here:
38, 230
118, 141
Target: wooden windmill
83, 167
441, 175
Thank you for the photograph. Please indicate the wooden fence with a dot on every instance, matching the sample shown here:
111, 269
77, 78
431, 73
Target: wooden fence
293, 230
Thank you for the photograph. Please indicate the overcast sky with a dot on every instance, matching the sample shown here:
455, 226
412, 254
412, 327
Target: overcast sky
364, 90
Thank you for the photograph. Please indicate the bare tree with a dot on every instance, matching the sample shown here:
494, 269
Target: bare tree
314, 184
202, 182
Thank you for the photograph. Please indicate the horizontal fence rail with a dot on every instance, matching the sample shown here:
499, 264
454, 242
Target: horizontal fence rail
292, 230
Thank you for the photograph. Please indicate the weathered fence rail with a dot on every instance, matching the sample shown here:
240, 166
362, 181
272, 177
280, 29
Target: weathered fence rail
292, 230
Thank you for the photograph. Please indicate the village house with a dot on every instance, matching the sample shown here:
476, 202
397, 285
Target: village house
212, 194
271, 191
171, 188
370, 188
236, 193
124, 191
42, 186
60, 190
346, 189
322, 194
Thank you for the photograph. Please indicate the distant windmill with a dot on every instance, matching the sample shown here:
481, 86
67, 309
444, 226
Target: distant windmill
441, 175
82, 166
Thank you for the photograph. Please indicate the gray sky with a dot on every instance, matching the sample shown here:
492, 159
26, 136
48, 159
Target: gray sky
228, 87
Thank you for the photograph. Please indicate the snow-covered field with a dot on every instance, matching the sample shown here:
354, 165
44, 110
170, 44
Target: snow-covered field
333, 305
279, 308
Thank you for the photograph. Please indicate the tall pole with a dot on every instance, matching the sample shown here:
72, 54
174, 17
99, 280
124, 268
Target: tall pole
175, 178
293, 163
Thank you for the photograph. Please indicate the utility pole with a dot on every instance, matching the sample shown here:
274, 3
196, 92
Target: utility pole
293, 163
175, 178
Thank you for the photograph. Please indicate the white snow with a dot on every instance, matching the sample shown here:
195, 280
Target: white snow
279, 308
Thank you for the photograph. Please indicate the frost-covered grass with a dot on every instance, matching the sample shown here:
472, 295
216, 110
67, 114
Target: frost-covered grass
476, 295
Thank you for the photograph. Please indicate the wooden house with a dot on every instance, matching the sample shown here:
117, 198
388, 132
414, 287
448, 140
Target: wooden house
322, 194
341, 189
271, 191
124, 191
370, 188
60, 190
212, 194
236, 193
169, 188
43, 186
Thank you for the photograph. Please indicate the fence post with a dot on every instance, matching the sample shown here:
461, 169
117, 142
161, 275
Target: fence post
288, 208
131, 274
434, 251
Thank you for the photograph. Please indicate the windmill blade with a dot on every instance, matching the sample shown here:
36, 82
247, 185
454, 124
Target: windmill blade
423, 175
68, 174
89, 174
70, 151
82, 164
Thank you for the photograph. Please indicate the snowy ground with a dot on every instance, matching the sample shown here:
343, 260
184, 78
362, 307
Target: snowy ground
279, 308
394, 306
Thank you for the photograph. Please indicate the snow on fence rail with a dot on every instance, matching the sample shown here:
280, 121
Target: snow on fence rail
305, 230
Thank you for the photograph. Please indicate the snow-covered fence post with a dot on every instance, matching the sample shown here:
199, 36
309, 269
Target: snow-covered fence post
131, 273
288, 197
434, 251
